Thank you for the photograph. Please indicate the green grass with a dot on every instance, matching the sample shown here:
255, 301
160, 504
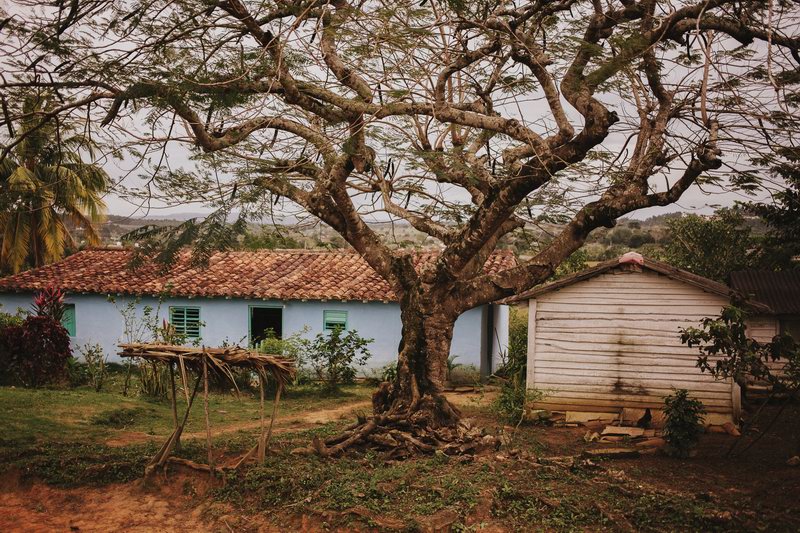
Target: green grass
34, 414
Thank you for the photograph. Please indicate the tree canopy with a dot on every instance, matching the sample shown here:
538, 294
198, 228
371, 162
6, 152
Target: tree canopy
466, 120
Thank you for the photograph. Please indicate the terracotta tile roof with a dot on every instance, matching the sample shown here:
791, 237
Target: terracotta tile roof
779, 290
267, 274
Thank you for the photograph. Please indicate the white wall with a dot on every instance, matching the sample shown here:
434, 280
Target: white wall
612, 341
99, 321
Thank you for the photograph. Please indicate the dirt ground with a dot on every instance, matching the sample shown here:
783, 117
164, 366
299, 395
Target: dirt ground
757, 486
282, 424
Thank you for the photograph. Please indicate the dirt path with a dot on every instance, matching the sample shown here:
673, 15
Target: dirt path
296, 422
37, 507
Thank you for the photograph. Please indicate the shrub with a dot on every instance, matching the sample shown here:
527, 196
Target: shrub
7, 319
514, 396
49, 302
684, 416
35, 353
95, 361
334, 356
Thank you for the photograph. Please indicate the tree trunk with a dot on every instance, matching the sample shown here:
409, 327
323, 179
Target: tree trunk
421, 368
411, 415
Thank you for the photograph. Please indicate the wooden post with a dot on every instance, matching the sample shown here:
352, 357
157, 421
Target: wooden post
205, 407
274, 415
163, 454
174, 403
261, 440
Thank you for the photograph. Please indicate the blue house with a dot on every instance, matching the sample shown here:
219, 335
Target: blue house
241, 295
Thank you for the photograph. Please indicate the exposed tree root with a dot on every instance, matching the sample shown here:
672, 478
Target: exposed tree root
429, 425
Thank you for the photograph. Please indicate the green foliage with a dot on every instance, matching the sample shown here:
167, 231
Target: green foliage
45, 184
514, 396
295, 346
518, 336
207, 236
389, 373
95, 363
270, 240
7, 319
333, 356
574, 263
682, 427
712, 247
781, 245
726, 351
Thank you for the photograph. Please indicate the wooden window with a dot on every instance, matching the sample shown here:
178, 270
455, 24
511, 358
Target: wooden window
186, 321
334, 319
68, 319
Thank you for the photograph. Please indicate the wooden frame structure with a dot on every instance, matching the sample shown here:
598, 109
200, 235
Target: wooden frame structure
202, 361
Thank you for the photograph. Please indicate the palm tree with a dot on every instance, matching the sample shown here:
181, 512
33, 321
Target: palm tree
45, 184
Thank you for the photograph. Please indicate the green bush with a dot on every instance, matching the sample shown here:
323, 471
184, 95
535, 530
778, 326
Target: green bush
514, 395
95, 361
334, 357
683, 425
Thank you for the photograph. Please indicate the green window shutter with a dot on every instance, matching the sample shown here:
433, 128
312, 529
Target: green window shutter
334, 319
186, 321
68, 319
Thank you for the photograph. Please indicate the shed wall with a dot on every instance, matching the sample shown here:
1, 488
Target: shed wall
612, 341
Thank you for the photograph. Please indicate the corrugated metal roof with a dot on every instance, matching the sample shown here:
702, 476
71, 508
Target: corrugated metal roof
778, 290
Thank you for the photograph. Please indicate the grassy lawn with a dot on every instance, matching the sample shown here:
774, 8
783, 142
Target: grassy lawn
30, 415
59, 437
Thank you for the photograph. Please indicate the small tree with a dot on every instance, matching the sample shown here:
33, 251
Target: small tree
96, 369
684, 417
334, 356
727, 352
711, 247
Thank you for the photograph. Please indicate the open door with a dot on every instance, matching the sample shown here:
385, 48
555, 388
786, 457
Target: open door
264, 320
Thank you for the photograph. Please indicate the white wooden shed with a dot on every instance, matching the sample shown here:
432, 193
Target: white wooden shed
607, 338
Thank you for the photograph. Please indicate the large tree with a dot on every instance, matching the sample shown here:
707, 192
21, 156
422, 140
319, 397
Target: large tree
465, 119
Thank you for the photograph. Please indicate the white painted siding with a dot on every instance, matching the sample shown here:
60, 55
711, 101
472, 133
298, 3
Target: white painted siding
612, 341
226, 320
763, 329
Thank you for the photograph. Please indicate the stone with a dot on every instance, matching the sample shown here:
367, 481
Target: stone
794, 461
623, 431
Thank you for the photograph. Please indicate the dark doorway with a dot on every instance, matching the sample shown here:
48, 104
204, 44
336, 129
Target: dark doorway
263, 320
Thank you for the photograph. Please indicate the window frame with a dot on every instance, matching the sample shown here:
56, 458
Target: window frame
340, 312
184, 308
262, 306
70, 325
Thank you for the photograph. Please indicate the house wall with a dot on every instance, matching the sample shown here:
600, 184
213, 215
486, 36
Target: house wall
763, 328
99, 321
612, 341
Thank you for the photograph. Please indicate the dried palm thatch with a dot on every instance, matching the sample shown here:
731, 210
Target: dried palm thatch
281, 369
201, 361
